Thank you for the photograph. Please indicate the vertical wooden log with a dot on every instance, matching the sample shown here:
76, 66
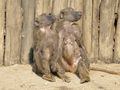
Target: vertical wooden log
87, 26
43, 6
95, 29
117, 39
58, 5
76, 4
69, 2
39, 7
27, 32
2, 29
116, 6
106, 30
13, 31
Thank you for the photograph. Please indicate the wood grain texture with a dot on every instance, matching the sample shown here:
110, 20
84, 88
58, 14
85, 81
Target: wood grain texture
13, 32
117, 39
106, 30
95, 30
27, 30
87, 26
58, 5
2, 29
43, 6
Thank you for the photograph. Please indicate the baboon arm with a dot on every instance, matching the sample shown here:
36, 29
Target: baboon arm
57, 53
78, 35
37, 36
60, 43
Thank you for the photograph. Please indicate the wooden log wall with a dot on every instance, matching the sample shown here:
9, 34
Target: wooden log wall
13, 32
100, 26
107, 31
28, 8
117, 36
2, 29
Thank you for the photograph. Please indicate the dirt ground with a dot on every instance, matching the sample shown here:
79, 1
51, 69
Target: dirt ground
21, 77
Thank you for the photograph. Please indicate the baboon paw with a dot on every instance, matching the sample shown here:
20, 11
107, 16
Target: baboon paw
49, 78
85, 80
66, 79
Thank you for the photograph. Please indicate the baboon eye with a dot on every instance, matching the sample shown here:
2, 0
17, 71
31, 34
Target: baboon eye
50, 14
36, 23
61, 12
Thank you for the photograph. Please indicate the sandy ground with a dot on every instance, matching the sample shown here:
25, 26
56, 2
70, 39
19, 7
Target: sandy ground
21, 77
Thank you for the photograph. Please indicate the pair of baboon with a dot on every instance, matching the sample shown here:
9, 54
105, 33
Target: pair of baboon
61, 51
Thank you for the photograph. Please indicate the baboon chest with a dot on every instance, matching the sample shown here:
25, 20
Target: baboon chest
70, 48
48, 39
45, 41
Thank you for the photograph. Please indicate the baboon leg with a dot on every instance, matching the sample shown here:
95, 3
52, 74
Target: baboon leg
84, 58
46, 71
34, 68
42, 65
34, 65
46, 65
61, 73
37, 68
83, 72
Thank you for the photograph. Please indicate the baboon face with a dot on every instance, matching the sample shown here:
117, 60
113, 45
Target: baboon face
69, 14
45, 20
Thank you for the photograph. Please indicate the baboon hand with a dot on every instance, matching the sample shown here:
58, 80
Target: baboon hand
54, 67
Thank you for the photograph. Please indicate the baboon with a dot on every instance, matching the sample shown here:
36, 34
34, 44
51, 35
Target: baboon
45, 42
71, 49
72, 54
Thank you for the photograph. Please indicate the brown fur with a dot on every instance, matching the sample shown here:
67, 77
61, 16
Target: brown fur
72, 55
45, 46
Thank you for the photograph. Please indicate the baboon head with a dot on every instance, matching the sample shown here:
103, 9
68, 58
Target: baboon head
45, 20
69, 14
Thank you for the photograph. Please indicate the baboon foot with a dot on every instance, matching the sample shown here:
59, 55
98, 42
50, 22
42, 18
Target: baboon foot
49, 77
85, 80
53, 67
66, 79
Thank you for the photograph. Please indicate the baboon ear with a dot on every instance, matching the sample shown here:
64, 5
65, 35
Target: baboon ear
61, 15
36, 23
